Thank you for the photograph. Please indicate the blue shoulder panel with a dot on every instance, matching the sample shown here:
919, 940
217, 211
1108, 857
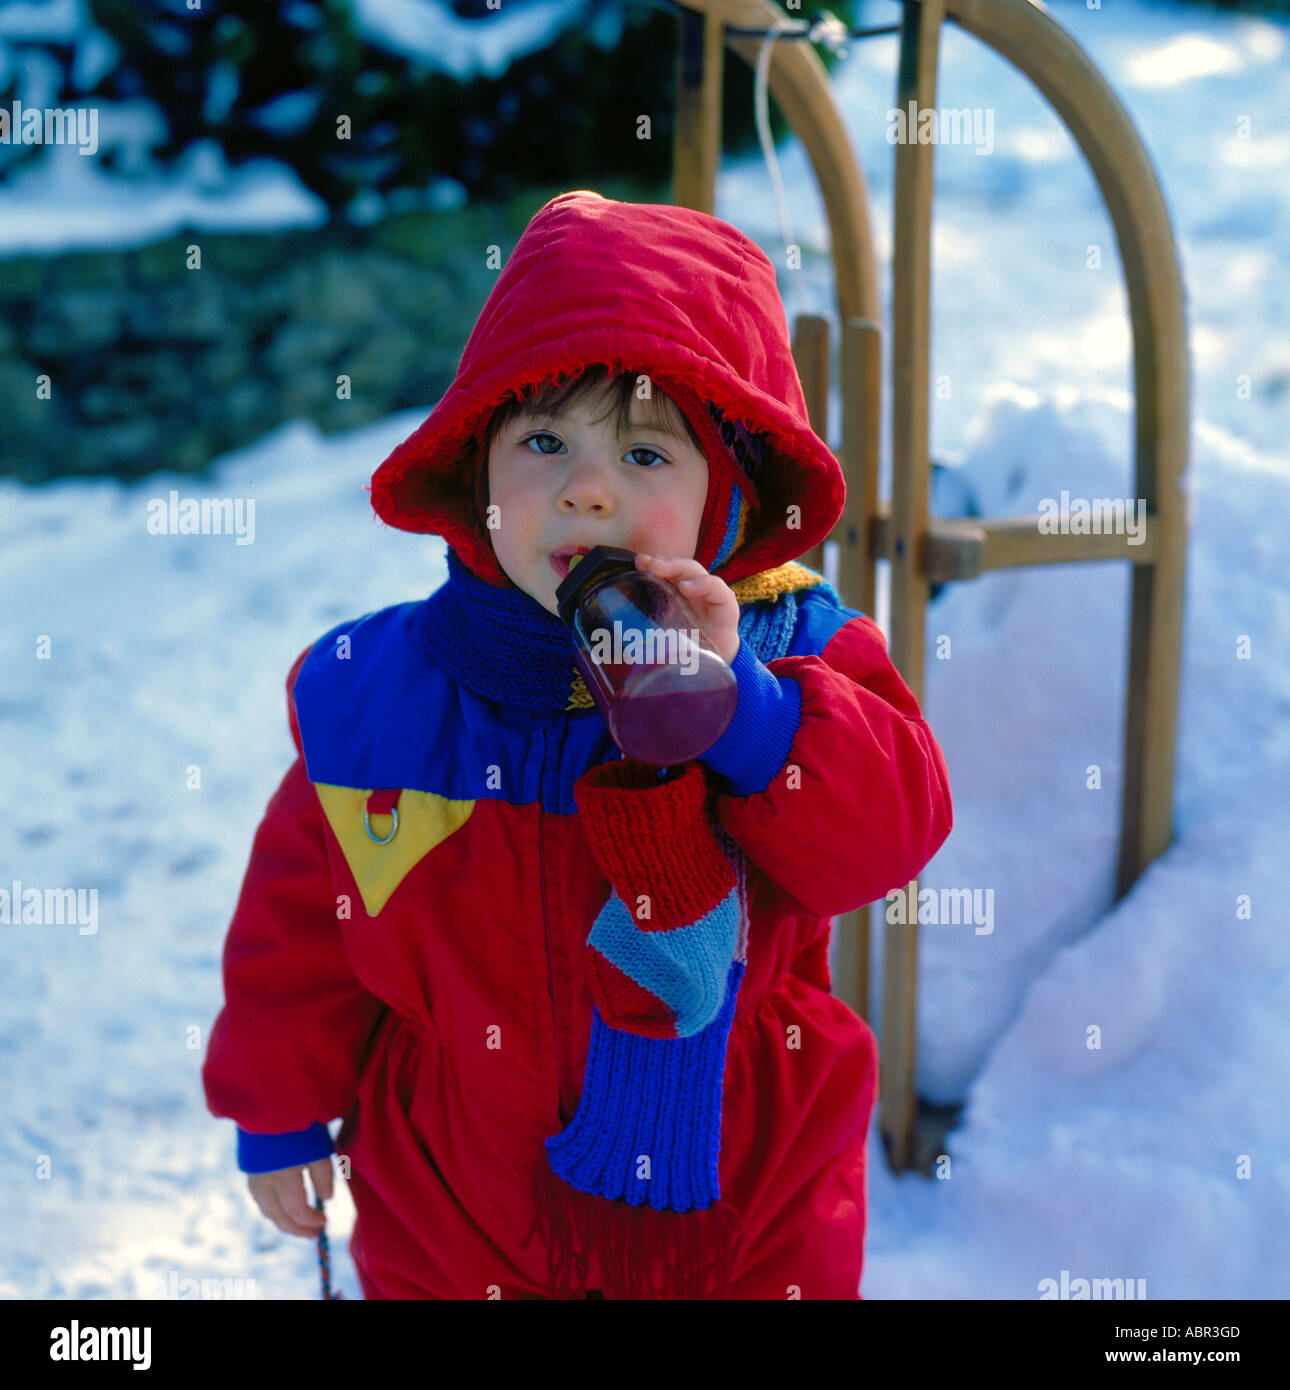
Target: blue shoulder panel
375, 711
817, 620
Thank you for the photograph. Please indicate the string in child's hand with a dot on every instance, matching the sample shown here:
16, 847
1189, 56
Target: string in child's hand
324, 1256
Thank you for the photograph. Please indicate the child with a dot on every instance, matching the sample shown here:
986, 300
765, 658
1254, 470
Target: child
574, 1010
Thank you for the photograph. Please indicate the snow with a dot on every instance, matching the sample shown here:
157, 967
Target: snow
1120, 1160
430, 32
1160, 1153
168, 652
66, 202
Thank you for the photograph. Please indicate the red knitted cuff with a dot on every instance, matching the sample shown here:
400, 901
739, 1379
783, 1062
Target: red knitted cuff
654, 839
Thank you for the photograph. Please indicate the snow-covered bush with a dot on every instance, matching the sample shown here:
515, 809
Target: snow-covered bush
371, 102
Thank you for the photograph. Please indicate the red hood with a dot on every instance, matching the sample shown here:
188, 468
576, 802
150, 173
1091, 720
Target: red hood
678, 295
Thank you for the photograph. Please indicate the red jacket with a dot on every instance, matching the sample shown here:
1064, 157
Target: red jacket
437, 1001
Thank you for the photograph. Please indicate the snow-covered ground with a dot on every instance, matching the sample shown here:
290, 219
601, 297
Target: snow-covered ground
1160, 1154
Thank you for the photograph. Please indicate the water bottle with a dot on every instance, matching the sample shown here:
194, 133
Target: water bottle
664, 692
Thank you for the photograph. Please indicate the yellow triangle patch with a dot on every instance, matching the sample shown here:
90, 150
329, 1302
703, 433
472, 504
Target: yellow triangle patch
425, 820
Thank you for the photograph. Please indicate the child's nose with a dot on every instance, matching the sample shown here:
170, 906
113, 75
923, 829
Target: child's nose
589, 484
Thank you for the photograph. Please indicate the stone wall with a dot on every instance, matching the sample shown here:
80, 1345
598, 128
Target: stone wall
153, 365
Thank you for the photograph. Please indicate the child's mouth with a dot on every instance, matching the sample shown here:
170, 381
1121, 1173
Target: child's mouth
560, 563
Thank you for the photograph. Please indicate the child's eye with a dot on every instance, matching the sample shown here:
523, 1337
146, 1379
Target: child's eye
539, 435
639, 449
645, 449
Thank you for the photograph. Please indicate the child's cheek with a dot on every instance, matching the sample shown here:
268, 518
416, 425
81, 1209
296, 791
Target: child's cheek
656, 530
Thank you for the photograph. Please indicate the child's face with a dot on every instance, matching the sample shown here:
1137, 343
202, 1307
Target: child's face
570, 480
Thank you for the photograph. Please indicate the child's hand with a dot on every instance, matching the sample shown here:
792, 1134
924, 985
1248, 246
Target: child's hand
280, 1195
712, 599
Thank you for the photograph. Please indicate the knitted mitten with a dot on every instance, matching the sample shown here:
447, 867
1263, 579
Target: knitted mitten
660, 953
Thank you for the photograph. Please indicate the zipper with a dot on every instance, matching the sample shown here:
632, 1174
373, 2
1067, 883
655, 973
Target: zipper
546, 934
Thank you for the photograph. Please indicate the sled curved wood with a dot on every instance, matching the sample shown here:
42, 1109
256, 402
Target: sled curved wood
919, 549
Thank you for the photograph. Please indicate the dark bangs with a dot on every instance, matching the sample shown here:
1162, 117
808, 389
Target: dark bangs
659, 410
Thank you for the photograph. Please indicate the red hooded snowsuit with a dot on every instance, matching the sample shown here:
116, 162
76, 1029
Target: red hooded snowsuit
386, 1011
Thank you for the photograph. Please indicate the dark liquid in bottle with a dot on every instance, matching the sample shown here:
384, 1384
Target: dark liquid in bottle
675, 726
662, 711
